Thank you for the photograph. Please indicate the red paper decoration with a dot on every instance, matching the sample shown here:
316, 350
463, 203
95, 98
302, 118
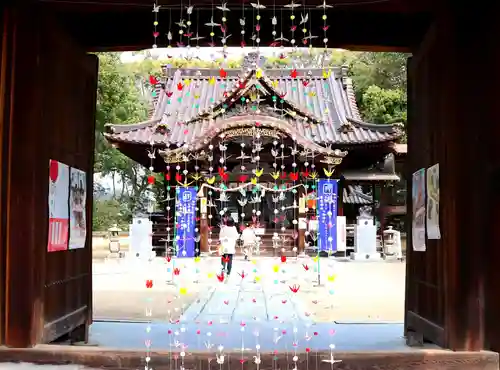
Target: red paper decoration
294, 288
149, 284
151, 179
53, 170
152, 79
283, 259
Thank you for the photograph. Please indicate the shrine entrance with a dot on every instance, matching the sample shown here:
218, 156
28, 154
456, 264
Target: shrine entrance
47, 105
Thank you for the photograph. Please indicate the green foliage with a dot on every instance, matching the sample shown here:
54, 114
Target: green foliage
384, 105
107, 213
119, 100
380, 85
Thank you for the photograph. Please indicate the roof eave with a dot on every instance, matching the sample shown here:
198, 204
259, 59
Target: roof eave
390, 128
111, 128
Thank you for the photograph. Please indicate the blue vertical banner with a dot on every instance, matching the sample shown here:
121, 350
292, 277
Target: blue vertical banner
327, 214
185, 220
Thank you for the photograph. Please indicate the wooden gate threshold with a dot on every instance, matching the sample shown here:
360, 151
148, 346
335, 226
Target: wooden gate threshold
94, 357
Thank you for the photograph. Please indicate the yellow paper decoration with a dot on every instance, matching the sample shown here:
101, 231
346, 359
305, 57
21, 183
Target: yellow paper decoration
211, 81
258, 73
275, 175
210, 275
275, 83
257, 279
259, 173
276, 268
187, 82
211, 180
328, 173
315, 259
197, 259
183, 291
331, 278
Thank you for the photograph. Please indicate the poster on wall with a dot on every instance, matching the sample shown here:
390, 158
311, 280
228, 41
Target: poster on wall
418, 214
433, 231
58, 206
327, 215
77, 207
185, 205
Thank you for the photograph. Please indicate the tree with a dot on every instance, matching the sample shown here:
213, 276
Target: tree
119, 100
384, 105
380, 85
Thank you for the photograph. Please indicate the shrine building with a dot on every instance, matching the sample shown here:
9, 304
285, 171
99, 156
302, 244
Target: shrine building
282, 125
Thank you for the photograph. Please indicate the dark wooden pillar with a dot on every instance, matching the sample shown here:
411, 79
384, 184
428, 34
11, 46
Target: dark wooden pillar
25, 262
47, 112
452, 285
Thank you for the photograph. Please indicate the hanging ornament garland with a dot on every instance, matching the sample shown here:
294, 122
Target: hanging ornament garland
156, 10
147, 341
197, 37
212, 26
169, 32
304, 18
257, 7
210, 199
293, 26
189, 33
324, 17
242, 25
182, 25
223, 27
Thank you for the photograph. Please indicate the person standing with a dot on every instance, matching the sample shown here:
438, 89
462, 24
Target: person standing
228, 238
249, 239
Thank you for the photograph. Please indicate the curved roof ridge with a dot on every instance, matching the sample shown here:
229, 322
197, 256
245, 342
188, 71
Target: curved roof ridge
111, 128
267, 81
388, 127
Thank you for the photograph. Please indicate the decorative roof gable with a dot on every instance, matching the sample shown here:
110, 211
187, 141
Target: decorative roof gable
319, 103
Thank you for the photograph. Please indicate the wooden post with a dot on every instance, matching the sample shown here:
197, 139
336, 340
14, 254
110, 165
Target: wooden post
204, 247
340, 198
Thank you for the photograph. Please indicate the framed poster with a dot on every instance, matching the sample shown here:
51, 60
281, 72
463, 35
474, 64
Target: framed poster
418, 214
77, 209
58, 206
433, 231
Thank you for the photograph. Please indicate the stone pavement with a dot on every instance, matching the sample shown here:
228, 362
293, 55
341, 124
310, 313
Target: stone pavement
242, 300
362, 292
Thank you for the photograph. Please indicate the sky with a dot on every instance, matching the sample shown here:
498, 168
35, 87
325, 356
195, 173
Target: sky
204, 52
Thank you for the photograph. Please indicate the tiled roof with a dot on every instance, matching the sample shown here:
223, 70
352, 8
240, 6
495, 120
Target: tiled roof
194, 104
354, 195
